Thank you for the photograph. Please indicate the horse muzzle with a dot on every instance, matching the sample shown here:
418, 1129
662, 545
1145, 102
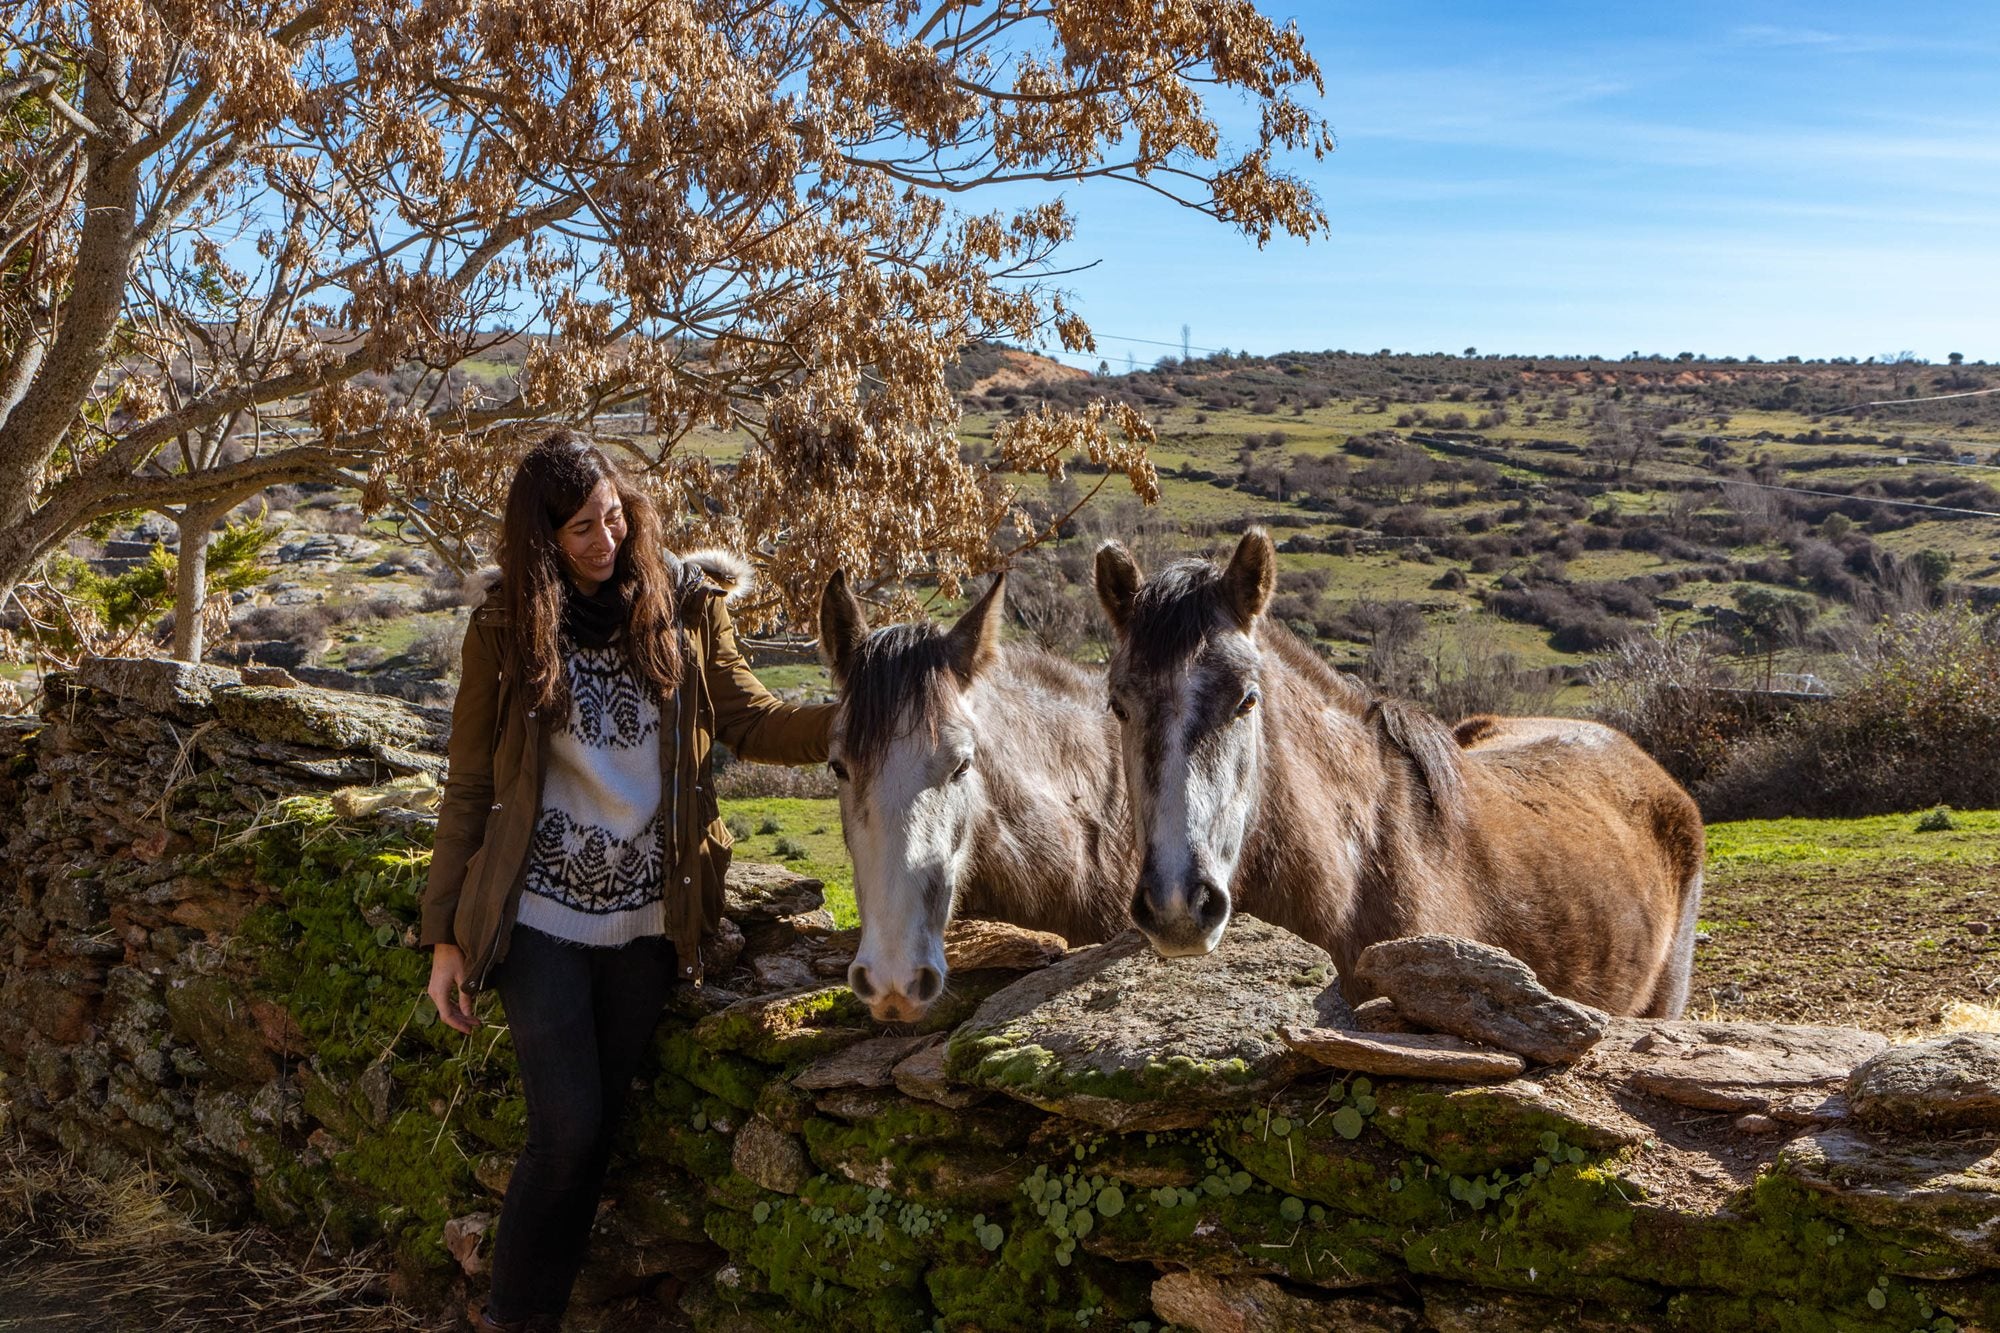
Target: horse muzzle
1184, 921
896, 1000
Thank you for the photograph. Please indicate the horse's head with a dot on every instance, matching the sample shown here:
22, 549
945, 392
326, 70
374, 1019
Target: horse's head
906, 752
1185, 686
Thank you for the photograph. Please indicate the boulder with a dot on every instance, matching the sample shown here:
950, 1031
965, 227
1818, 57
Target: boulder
1404, 1055
1476, 991
1930, 1087
1790, 1073
755, 893
1119, 1036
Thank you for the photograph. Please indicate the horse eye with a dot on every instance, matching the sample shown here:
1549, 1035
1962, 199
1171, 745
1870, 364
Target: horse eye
1118, 710
1249, 702
839, 769
964, 767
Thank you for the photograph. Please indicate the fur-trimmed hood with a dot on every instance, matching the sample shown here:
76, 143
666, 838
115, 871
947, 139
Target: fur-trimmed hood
726, 571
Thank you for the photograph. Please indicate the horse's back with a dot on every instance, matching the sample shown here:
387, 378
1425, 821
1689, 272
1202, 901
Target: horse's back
1579, 808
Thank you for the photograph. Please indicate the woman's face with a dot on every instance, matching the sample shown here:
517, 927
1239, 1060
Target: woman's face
589, 541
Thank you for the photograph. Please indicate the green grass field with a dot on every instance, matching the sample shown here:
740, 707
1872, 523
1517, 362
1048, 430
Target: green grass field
811, 827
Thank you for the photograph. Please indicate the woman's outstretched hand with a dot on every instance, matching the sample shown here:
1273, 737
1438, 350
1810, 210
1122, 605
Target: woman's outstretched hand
447, 988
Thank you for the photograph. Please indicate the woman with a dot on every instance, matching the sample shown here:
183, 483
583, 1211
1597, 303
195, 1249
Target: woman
579, 854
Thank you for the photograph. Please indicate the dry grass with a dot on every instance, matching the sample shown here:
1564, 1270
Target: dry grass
84, 1254
1965, 1016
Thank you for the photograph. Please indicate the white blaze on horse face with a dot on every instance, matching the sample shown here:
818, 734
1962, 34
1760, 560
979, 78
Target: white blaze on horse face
908, 828
1197, 815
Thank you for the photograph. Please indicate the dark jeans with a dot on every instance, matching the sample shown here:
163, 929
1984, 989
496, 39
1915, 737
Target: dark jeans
580, 1018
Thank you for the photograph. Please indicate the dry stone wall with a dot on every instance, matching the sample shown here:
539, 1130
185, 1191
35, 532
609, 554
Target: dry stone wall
207, 897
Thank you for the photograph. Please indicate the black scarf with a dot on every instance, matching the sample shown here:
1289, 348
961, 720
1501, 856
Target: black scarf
593, 620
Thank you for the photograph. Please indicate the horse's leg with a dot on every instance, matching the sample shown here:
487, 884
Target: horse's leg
1670, 992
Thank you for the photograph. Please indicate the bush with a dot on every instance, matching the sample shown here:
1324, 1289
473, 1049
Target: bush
1937, 821
743, 781
1917, 726
791, 849
1671, 694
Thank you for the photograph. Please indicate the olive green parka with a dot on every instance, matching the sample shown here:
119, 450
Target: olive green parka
498, 757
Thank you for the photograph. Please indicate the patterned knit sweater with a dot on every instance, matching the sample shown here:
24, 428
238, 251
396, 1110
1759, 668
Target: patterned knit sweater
594, 872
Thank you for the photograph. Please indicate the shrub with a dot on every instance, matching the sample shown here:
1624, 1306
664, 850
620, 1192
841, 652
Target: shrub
744, 781
1670, 693
1937, 821
1918, 725
791, 849
435, 648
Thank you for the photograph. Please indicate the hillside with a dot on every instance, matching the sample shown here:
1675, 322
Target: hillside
1501, 521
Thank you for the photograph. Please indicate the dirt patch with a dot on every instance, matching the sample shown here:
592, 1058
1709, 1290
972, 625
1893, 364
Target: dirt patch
1887, 946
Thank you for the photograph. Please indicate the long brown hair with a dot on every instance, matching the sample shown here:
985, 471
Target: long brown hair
551, 483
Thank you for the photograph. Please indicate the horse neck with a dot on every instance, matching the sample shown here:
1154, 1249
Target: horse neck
1329, 809
1050, 850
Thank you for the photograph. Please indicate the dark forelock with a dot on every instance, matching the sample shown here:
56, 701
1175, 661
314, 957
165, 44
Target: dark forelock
1173, 612
898, 672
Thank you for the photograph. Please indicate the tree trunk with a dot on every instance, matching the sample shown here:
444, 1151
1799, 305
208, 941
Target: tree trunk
197, 523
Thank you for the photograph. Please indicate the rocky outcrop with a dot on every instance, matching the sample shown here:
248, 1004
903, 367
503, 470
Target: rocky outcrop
204, 965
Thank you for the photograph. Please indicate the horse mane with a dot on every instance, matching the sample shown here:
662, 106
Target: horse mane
897, 670
1433, 752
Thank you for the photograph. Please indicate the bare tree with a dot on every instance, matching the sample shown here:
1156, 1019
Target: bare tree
227, 231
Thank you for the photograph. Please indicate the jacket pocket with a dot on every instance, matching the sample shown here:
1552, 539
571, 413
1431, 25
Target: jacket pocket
716, 849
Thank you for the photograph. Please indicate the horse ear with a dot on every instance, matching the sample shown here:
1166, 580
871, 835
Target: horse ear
842, 625
1117, 583
974, 641
1251, 577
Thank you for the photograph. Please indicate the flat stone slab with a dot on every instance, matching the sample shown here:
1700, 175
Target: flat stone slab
921, 1075
1121, 1037
182, 690
972, 945
331, 719
1930, 1087
866, 1064
1258, 1305
1791, 1073
1476, 991
969, 946
1404, 1055
1946, 1190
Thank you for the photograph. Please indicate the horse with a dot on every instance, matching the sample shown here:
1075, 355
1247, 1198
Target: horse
974, 779
1262, 780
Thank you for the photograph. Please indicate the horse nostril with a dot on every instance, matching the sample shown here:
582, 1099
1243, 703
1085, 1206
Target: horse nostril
858, 981
928, 985
1211, 905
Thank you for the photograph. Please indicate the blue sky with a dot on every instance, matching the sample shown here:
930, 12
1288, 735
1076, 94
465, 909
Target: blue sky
1727, 179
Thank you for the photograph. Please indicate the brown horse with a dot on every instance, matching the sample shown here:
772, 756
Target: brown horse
975, 779
1264, 781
